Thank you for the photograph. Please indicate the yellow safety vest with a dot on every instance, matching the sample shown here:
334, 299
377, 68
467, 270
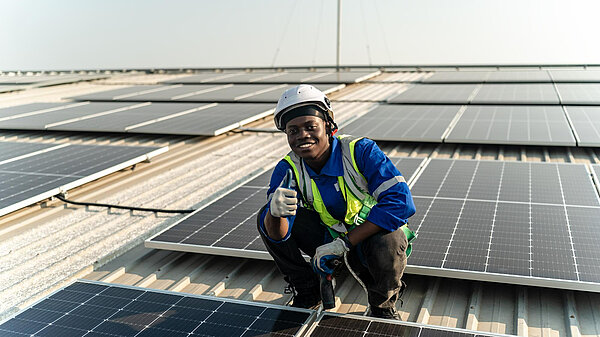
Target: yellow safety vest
354, 188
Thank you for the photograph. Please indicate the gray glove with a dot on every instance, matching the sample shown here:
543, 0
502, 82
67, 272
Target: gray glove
326, 252
283, 200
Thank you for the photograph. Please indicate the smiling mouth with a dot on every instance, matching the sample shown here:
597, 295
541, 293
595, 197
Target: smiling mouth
305, 146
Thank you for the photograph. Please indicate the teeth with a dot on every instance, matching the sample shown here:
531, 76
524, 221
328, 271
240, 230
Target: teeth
305, 145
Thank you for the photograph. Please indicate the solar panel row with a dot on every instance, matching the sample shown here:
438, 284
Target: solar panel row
332, 325
255, 93
561, 93
319, 77
34, 172
102, 309
163, 118
507, 76
41, 80
228, 225
515, 222
507, 124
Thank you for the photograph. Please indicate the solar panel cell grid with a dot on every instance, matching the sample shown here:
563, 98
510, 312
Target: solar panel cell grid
109, 95
516, 94
124, 120
199, 78
535, 125
333, 325
26, 108
44, 120
578, 93
436, 93
12, 150
33, 178
404, 122
85, 309
462, 227
575, 75
586, 124
458, 77
519, 76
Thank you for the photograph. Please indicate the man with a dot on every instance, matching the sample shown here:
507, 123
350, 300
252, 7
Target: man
346, 196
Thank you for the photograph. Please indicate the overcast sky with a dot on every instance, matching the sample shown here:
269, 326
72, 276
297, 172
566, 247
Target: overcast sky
106, 34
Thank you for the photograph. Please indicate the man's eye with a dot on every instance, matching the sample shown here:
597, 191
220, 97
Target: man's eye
291, 131
311, 127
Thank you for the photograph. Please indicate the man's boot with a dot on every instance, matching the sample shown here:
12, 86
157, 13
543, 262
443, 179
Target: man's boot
389, 313
304, 297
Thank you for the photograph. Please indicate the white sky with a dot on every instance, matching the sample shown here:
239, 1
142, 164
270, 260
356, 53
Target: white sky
104, 34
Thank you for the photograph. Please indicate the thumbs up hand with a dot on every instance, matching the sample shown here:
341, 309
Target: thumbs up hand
283, 201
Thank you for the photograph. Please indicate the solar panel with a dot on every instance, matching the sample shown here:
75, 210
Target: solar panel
436, 93
44, 120
238, 78
596, 171
578, 93
334, 325
228, 225
514, 222
458, 77
29, 178
123, 120
421, 123
201, 78
12, 111
512, 124
343, 77
110, 95
516, 94
575, 76
211, 121
504, 76
586, 124
100, 309
172, 93
200, 119
44, 80
12, 150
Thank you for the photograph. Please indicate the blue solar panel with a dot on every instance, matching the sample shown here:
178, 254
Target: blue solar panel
100, 309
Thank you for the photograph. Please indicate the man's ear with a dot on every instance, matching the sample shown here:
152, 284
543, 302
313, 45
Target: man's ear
328, 128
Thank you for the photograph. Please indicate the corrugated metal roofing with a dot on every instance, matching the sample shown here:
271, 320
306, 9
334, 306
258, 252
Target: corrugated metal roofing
48, 245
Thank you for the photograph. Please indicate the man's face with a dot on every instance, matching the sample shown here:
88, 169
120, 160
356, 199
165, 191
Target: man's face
307, 137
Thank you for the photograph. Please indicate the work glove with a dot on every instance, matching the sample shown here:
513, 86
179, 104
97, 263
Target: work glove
327, 252
283, 201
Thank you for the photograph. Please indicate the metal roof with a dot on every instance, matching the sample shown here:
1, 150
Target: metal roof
50, 244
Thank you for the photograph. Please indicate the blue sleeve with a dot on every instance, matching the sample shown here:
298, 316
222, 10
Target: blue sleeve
276, 178
395, 205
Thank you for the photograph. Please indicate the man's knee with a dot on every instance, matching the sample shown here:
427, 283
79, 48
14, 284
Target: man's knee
386, 252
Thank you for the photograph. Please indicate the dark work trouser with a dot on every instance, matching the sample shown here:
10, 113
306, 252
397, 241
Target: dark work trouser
383, 255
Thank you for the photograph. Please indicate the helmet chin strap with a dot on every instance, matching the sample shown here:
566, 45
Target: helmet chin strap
333, 128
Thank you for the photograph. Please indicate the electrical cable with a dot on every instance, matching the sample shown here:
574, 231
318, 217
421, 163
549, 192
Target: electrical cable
287, 23
132, 208
318, 34
366, 32
385, 42
357, 280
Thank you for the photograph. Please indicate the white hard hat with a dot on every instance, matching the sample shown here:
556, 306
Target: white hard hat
298, 96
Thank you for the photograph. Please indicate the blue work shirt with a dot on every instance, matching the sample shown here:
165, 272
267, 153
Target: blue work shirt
394, 206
